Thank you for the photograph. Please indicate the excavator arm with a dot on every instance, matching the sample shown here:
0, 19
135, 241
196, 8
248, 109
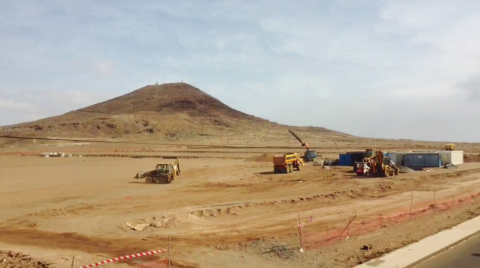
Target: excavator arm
300, 140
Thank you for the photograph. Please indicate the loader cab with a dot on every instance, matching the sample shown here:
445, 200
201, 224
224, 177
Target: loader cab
163, 168
310, 155
370, 152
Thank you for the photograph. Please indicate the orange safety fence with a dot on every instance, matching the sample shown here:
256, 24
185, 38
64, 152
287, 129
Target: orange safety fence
312, 240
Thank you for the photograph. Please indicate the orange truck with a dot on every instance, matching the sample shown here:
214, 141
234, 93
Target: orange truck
287, 162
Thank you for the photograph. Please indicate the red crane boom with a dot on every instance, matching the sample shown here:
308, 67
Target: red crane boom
300, 140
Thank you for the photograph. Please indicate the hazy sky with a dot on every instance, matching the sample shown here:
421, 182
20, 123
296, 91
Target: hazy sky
390, 69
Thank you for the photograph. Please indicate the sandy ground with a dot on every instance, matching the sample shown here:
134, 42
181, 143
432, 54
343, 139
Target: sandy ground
220, 212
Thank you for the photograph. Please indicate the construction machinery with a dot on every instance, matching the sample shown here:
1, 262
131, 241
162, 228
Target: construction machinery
369, 152
450, 147
310, 155
163, 173
376, 164
287, 162
381, 166
362, 167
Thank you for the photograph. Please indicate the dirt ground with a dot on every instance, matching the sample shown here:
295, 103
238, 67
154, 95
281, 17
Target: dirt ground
226, 209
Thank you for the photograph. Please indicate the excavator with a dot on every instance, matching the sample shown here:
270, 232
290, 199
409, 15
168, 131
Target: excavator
163, 173
377, 165
310, 155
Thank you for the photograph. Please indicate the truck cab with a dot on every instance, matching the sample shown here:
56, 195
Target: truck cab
310, 155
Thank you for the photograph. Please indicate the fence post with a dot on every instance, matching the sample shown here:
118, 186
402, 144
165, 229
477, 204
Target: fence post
346, 220
346, 228
411, 203
326, 237
299, 232
168, 252
73, 261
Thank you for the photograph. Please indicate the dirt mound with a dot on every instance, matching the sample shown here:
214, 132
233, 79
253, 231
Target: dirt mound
266, 157
181, 219
18, 260
406, 170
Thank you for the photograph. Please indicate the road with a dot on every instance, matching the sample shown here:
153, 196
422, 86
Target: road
465, 255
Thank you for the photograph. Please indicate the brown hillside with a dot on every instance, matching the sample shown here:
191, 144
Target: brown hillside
166, 112
167, 99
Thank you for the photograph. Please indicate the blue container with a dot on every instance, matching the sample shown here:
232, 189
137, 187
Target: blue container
356, 157
422, 160
344, 160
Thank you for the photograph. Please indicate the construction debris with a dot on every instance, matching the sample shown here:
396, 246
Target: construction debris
57, 154
137, 227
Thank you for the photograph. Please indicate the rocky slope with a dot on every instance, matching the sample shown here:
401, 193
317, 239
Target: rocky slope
176, 111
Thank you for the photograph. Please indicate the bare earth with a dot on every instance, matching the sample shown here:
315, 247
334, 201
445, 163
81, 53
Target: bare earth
227, 208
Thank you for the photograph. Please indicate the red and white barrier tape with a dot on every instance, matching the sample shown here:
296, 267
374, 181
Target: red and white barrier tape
123, 258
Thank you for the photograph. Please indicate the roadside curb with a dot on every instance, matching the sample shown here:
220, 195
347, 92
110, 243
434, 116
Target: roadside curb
418, 252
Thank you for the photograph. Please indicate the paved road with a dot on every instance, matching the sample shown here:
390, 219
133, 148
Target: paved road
464, 255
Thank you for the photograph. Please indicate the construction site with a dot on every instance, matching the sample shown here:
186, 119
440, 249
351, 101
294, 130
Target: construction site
229, 190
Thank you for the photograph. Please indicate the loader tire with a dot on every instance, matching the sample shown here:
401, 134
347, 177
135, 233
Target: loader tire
163, 180
148, 180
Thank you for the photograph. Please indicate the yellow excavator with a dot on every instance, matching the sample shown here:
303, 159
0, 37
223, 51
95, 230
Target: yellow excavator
450, 147
381, 166
375, 164
163, 173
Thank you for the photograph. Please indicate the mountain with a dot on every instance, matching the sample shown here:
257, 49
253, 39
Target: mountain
167, 99
175, 111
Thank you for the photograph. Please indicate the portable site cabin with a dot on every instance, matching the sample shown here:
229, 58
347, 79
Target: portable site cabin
451, 157
419, 160
396, 157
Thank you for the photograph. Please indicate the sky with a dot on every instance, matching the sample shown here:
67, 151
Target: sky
382, 69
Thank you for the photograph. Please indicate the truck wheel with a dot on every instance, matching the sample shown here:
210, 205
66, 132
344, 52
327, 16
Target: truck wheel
148, 180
